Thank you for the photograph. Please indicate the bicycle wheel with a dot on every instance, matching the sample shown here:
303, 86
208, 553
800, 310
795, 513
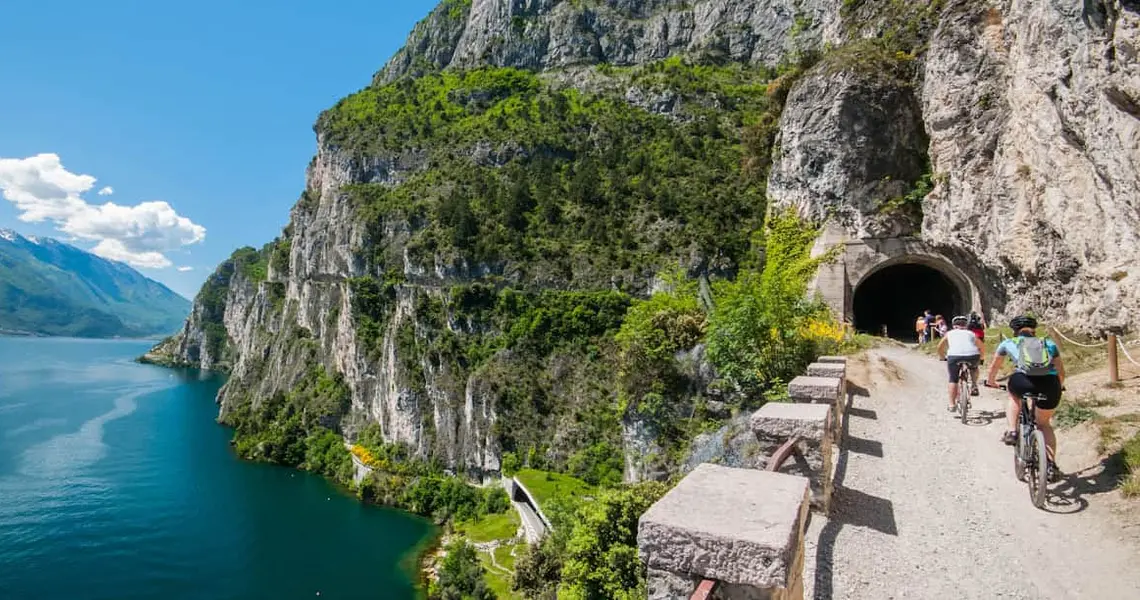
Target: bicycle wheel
1038, 469
965, 384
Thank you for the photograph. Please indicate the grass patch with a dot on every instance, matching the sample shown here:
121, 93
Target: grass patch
1110, 435
1076, 411
497, 579
546, 486
505, 555
854, 344
502, 526
1131, 485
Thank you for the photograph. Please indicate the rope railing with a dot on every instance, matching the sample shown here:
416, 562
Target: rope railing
1126, 354
1075, 342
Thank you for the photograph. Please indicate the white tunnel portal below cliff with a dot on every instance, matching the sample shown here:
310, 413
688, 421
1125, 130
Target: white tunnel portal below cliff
894, 296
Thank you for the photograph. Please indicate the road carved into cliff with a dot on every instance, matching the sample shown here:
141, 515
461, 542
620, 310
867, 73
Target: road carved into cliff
927, 507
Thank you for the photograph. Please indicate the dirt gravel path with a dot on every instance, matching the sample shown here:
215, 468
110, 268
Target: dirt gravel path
927, 507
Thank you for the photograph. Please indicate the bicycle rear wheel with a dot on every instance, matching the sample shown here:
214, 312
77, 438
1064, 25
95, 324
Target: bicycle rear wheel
965, 384
1038, 469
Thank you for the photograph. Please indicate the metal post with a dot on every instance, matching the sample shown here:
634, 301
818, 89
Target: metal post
1113, 365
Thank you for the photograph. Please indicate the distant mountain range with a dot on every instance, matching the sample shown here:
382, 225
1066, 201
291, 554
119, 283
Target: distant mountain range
48, 287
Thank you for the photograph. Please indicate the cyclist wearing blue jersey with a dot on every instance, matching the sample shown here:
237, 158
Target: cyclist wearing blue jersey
1038, 370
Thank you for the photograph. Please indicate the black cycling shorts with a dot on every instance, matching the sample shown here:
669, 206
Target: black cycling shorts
1050, 385
952, 363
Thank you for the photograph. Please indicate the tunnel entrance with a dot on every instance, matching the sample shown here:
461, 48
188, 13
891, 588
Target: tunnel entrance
896, 295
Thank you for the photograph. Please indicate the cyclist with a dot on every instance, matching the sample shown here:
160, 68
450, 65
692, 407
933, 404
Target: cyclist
977, 325
958, 346
1038, 369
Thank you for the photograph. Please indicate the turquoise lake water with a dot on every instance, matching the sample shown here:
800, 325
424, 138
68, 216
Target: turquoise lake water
116, 483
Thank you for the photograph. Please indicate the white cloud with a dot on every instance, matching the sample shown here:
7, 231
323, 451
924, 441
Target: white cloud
107, 191
140, 235
185, 269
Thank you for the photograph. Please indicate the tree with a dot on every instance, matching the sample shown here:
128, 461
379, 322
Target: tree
601, 554
461, 575
538, 570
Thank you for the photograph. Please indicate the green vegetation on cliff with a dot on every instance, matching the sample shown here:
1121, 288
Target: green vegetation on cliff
554, 183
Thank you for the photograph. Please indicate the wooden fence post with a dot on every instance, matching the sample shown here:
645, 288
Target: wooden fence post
1113, 365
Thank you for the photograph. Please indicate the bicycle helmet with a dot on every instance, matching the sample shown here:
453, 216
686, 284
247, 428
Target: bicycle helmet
960, 320
1022, 322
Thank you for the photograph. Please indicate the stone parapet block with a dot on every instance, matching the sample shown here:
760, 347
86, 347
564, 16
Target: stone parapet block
777, 422
842, 360
738, 526
815, 390
822, 369
821, 390
838, 371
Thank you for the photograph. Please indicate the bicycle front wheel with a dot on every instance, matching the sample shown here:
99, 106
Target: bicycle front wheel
1039, 469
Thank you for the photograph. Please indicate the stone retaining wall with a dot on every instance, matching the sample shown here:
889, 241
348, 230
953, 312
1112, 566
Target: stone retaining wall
744, 528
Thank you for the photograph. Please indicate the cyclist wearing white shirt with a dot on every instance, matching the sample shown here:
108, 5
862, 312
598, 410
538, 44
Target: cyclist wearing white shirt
958, 346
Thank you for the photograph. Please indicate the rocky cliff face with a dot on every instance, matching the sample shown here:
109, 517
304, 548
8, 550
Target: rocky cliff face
557, 34
1030, 109
1021, 116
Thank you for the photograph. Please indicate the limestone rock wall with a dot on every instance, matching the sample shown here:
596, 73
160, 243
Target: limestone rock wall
1032, 112
554, 34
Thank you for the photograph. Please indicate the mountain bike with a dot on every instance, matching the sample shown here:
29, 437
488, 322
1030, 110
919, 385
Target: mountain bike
965, 386
1030, 457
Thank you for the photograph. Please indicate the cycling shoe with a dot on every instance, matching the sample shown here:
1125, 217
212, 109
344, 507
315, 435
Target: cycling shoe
1009, 438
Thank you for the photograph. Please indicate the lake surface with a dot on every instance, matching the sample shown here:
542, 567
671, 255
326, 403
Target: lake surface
116, 483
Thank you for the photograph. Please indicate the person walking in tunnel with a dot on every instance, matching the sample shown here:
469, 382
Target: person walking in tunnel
928, 319
958, 346
1038, 370
940, 327
919, 329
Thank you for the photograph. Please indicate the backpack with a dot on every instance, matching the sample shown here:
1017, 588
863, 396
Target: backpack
1033, 357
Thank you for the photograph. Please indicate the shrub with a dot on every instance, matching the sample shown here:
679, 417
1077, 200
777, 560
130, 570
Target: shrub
757, 333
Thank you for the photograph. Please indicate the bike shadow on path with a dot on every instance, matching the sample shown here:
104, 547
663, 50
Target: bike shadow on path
983, 418
850, 506
1070, 495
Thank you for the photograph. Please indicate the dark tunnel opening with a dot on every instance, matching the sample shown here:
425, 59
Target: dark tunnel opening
895, 296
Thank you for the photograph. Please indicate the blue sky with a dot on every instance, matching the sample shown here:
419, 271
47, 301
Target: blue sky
198, 116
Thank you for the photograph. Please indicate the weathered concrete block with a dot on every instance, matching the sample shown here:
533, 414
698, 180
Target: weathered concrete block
815, 390
822, 369
738, 526
821, 390
776, 422
838, 371
832, 359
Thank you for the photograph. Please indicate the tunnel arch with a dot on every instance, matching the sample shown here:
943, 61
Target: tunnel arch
895, 292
